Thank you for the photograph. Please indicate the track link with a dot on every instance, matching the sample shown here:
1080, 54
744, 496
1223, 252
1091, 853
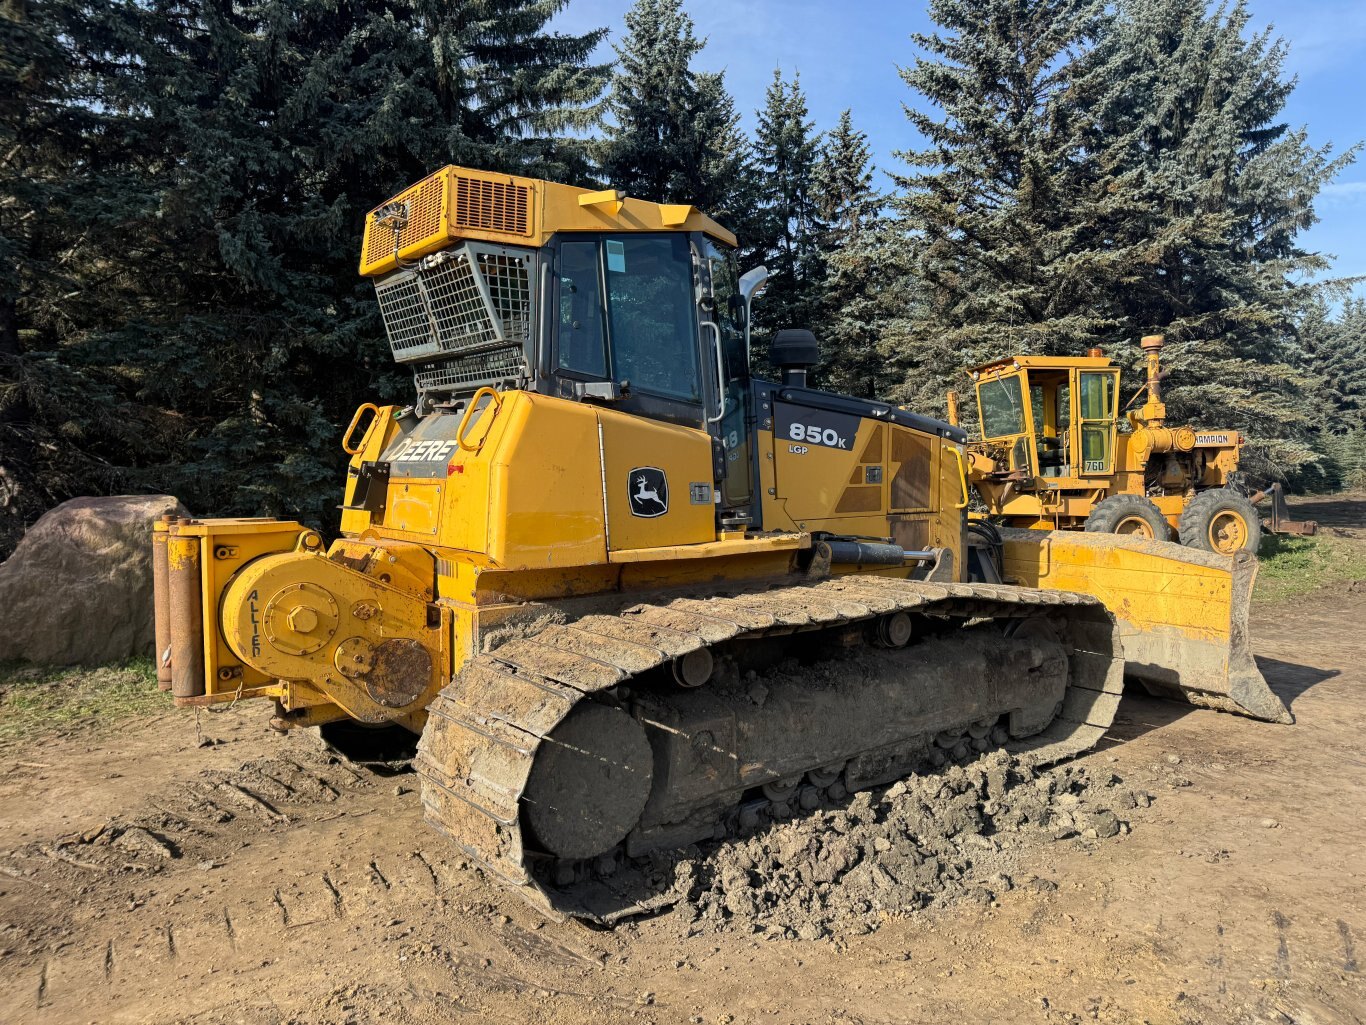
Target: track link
486, 727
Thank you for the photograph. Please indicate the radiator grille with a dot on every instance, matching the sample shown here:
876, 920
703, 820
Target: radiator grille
424, 222
491, 206
470, 305
464, 373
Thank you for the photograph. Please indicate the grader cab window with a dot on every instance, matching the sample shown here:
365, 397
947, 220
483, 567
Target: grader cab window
1000, 400
1096, 400
1002, 407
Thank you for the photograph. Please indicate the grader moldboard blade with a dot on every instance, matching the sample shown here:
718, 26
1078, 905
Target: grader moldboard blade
1183, 613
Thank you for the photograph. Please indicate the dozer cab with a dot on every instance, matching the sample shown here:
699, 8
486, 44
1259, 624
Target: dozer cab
559, 563
1053, 457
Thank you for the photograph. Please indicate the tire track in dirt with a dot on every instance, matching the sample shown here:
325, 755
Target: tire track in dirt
1171, 923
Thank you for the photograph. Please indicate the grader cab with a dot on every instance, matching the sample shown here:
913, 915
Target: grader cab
1053, 457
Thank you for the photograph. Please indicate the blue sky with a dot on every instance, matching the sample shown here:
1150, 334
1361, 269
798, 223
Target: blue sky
848, 52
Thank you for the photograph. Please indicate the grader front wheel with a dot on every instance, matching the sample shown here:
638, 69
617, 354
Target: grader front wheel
1130, 515
1222, 521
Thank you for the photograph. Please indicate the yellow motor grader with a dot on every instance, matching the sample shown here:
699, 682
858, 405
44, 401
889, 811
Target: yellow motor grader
1052, 457
559, 564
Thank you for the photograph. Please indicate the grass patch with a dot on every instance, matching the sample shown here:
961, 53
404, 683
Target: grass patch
1293, 566
35, 700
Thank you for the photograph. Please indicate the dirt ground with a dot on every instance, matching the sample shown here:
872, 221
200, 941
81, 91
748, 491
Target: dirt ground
269, 884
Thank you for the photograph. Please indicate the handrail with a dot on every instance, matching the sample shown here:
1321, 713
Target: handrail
469, 411
720, 374
962, 476
355, 421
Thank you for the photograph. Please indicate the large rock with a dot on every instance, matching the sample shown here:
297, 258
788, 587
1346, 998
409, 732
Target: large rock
78, 588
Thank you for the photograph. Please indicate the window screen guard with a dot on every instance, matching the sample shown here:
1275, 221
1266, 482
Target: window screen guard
463, 315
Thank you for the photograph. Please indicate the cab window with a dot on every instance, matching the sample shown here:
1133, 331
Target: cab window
726, 309
651, 315
583, 340
1001, 407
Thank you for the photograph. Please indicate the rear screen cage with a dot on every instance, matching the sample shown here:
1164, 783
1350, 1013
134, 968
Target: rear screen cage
462, 317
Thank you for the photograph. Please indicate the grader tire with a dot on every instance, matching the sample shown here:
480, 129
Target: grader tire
1222, 521
1130, 515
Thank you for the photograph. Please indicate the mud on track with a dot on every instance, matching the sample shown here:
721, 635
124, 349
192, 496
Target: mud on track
143, 879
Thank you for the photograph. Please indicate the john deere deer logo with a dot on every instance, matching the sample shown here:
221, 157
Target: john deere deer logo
648, 490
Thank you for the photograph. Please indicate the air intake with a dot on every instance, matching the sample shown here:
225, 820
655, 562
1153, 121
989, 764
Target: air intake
491, 206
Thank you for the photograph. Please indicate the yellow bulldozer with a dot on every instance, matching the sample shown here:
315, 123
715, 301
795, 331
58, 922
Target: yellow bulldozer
559, 564
1052, 457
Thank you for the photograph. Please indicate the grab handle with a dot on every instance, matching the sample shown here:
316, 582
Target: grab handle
962, 477
355, 422
497, 401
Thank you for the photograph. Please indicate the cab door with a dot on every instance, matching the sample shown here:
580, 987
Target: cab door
1006, 417
1095, 397
629, 338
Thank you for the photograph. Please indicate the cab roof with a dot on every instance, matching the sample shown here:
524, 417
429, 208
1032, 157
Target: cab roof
1043, 363
457, 203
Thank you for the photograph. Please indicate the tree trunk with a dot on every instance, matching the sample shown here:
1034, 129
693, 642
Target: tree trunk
16, 441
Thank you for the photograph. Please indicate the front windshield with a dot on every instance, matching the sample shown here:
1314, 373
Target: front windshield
1002, 408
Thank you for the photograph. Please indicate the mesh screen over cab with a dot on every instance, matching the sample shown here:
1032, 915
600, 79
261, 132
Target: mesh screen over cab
463, 315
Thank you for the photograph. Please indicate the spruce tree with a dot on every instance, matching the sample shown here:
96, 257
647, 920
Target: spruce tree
992, 210
850, 296
653, 95
242, 146
1100, 173
1334, 355
1334, 352
718, 175
46, 184
1208, 191
674, 135
787, 226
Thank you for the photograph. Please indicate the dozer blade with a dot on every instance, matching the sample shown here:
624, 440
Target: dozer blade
1183, 613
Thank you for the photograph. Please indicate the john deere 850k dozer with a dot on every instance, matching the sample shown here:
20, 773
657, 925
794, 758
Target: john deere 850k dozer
556, 564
